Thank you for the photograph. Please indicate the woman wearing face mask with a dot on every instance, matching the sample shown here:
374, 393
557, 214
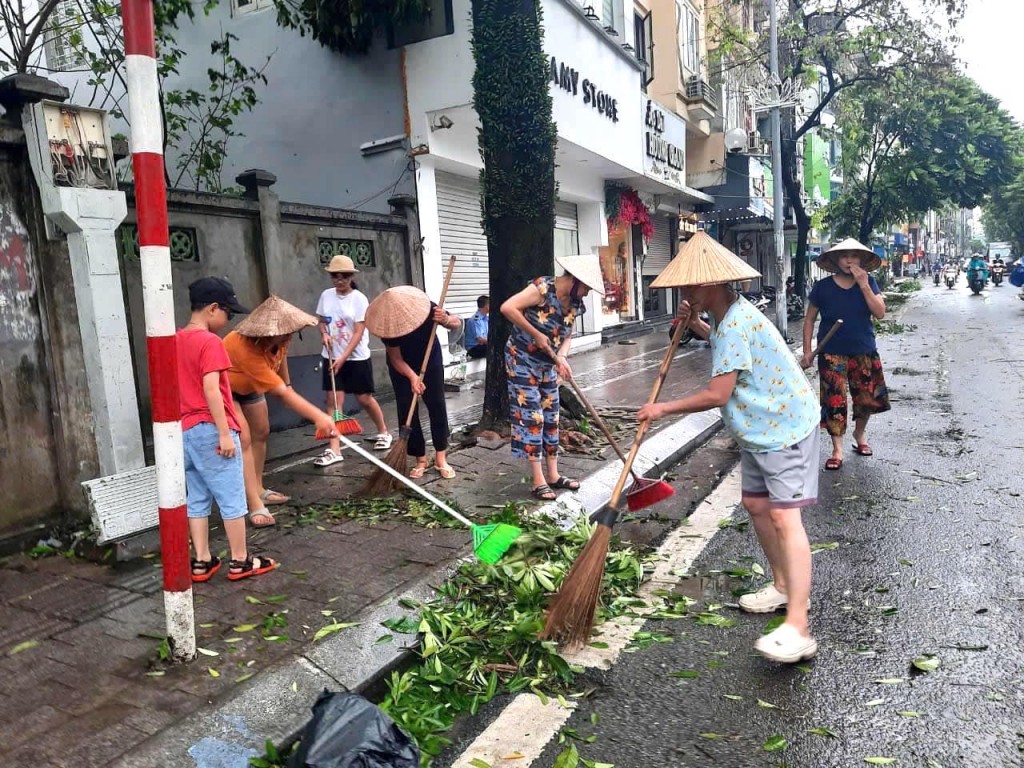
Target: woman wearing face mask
542, 316
849, 365
258, 349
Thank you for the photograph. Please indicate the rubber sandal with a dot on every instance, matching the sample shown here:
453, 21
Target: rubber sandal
563, 483
251, 566
833, 464
281, 498
327, 458
863, 449
418, 471
382, 442
543, 493
206, 569
264, 514
445, 471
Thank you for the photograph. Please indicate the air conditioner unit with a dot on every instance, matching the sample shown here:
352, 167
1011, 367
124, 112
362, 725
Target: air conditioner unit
753, 141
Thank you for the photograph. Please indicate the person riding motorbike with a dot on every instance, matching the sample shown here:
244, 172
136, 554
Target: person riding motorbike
977, 269
950, 273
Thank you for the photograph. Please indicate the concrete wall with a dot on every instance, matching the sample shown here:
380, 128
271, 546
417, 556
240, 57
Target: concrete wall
46, 439
232, 236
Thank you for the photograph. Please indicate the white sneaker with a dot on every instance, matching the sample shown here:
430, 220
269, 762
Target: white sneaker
382, 442
786, 645
327, 458
764, 600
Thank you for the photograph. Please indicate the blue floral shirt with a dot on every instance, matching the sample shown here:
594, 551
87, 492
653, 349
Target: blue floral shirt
773, 405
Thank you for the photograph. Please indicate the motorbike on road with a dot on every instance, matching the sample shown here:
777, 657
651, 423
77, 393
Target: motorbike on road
976, 280
997, 274
950, 277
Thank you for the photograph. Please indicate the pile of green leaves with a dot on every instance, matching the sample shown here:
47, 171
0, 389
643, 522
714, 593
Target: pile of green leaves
478, 639
908, 286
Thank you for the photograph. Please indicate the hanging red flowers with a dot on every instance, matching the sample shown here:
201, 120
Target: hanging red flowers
630, 210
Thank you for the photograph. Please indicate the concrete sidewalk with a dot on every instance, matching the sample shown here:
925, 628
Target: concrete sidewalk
79, 642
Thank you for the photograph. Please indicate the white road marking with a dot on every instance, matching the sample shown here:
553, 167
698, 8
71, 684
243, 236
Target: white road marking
289, 465
519, 735
523, 729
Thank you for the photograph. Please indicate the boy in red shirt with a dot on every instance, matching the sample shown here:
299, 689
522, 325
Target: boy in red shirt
210, 433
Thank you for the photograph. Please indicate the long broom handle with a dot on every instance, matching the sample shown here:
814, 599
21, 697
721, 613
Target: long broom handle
597, 417
430, 341
666, 363
330, 369
831, 332
406, 481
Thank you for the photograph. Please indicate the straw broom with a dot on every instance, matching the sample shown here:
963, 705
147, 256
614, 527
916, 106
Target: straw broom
570, 618
381, 482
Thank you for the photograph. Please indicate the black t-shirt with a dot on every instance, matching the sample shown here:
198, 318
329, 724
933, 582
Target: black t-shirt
856, 336
414, 344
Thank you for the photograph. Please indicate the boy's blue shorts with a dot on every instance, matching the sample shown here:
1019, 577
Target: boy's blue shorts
210, 477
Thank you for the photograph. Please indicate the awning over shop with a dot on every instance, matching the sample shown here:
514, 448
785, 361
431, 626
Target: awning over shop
746, 195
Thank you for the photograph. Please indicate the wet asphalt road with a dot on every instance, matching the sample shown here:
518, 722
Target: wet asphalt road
924, 555
930, 537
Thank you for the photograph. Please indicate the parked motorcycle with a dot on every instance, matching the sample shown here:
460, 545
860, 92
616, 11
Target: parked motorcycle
759, 300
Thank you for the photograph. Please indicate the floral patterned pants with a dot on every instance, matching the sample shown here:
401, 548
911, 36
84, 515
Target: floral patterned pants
851, 377
533, 407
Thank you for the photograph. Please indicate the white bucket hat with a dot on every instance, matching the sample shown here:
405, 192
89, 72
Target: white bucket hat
586, 268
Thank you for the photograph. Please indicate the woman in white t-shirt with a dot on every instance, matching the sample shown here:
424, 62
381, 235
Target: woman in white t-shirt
342, 312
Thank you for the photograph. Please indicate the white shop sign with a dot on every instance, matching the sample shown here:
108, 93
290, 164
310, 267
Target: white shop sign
664, 142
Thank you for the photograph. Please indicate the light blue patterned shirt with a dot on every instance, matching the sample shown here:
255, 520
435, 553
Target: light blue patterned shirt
772, 406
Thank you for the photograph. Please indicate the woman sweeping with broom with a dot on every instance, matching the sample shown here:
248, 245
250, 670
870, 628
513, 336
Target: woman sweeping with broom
543, 315
406, 319
258, 349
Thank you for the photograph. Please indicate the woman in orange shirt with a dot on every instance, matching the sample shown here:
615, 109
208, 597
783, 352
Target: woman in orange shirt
258, 349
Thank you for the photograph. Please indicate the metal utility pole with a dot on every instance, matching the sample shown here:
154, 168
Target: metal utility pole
781, 257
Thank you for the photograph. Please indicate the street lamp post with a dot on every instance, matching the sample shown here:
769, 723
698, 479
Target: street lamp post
781, 262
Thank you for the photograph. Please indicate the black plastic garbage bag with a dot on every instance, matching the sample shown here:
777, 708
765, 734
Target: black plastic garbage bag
347, 731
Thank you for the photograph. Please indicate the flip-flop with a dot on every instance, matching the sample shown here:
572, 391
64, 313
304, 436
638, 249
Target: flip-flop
445, 471
833, 464
418, 471
261, 513
281, 498
863, 449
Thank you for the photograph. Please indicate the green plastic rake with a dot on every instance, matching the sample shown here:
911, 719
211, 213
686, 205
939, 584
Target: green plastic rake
490, 542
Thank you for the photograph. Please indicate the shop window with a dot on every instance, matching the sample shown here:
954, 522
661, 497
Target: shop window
688, 34
654, 299
617, 270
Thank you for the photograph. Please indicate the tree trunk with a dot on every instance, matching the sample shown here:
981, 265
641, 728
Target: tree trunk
803, 221
517, 138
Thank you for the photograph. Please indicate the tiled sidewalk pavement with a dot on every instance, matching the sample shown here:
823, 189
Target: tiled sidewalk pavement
80, 696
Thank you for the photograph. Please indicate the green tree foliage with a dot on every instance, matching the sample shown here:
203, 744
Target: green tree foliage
512, 96
831, 46
1003, 213
348, 26
926, 138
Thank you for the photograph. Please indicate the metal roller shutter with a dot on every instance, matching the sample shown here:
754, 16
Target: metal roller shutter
566, 216
462, 234
659, 250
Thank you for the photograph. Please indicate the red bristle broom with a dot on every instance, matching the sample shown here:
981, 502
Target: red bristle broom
570, 618
343, 425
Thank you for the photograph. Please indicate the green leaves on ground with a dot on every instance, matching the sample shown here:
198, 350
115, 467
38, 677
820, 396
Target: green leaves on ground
478, 639
927, 663
333, 628
775, 744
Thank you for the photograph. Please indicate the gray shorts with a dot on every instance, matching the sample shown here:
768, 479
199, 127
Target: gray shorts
788, 476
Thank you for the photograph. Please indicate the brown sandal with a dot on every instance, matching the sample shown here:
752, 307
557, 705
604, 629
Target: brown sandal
251, 566
543, 493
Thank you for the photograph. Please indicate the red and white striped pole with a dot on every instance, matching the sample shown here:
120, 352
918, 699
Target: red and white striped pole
147, 147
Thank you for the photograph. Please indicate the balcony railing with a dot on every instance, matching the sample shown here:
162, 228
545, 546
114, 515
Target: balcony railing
699, 91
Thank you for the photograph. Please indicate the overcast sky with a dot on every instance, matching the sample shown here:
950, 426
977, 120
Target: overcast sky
992, 49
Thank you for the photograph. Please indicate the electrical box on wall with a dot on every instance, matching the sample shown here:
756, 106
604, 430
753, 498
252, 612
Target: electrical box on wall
78, 139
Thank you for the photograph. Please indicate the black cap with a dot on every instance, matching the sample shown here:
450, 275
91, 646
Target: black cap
215, 290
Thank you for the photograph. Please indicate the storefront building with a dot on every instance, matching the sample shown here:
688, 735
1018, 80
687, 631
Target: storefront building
600, 110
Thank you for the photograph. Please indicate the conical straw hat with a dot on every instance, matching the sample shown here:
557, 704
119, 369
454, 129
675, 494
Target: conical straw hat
397, 311
702, 260
274, 317
586, 268
829, 260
